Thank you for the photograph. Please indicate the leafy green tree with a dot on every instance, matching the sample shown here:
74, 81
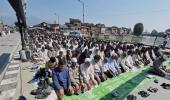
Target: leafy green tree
167, 31
138, 29
154, 32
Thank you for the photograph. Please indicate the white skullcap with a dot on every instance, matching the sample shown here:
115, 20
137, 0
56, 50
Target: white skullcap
61, 50
74, 60
87, 60
69, 49
113, 53
97, 48
76, 42
50, 46
90, 49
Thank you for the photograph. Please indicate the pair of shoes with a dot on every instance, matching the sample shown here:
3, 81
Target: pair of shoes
43, 95
165, 86
153, 90
143, 94
36, 91
131, 97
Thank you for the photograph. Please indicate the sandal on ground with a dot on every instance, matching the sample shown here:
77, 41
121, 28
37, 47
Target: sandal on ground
131, 97
153, 90
42, 95
143, 94
166, 86
36, 91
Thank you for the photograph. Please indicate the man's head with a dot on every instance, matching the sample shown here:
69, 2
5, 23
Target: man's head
97, 58
61, 52
97, 50
129, 52
124, 55
114, 55
87, 62
43, 48
68, 51
74, 62
105, 60
50, 47
53, 59
61, 64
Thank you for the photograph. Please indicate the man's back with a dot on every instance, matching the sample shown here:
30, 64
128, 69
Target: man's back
61, 76
157, 63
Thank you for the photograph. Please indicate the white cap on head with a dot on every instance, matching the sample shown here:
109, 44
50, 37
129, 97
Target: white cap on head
74, 60
76, 42
87, 60
90, 49
113, 53
61, 50
50, 46
97, 48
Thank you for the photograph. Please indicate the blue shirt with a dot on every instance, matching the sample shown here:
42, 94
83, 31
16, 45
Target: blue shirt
61, 78
114, 66
106, 66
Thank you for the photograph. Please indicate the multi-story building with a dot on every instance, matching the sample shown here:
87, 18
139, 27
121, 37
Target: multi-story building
85, 30
88, 28
54, 28
115, 30
103, 30
108, 30
125, 31
100, 25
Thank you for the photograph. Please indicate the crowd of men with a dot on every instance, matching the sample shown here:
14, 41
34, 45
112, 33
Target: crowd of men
77, 64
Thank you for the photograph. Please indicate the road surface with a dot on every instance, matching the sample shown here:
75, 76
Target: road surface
8, 45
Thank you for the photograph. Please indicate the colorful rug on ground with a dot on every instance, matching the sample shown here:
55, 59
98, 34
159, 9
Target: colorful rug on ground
122, 84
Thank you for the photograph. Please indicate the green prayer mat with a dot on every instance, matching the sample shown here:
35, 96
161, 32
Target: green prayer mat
123, 84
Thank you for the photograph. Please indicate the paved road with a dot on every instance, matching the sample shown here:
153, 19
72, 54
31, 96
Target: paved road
8, 45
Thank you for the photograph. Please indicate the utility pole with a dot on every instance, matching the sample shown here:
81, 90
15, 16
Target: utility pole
83, 8
58, 18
